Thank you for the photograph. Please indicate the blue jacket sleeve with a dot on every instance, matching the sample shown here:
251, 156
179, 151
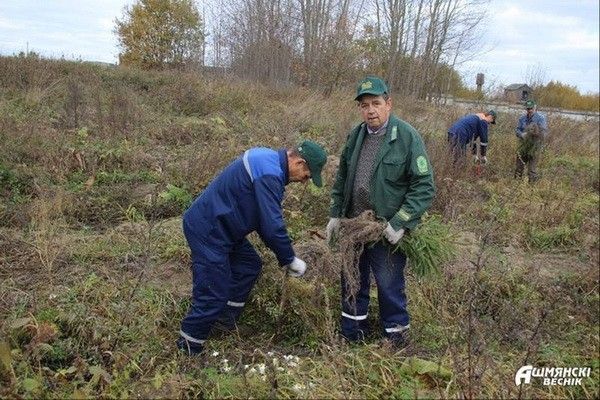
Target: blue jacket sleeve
543, 125
268, 191
520, 127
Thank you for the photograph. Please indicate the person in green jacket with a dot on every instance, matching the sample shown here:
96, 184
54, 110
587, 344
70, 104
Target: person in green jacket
383, 167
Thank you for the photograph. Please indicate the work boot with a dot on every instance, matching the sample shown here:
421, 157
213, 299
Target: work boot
223, 327
355, 337
399, 340
225, 324
189, 348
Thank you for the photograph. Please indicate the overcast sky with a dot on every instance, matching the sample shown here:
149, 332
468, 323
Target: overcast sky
558, 38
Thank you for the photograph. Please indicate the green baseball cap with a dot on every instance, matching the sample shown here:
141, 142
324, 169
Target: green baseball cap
493, 114
371, 85
316, 157
529, 104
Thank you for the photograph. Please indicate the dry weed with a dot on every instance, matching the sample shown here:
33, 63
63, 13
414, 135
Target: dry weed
343, 255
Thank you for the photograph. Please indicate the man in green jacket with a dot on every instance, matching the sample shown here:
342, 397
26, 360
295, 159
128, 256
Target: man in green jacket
383, 167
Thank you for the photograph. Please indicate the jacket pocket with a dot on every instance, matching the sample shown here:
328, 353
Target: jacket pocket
393, 168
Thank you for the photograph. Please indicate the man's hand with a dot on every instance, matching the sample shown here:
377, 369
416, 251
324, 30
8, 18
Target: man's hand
393, 236
532, 129
332, 229
483, 160
297, 268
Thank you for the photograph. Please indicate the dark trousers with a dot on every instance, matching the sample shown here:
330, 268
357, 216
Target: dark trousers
529, 160
388, 269
221, 285
457, 149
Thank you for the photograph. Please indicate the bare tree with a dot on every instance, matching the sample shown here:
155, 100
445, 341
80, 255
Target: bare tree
423, 36
414, 44
315, 16
535, 76
261, 37
329, 30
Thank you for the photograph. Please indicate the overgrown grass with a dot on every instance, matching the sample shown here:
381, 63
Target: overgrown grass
97, 165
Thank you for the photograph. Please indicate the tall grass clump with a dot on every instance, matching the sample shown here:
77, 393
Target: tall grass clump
428, 247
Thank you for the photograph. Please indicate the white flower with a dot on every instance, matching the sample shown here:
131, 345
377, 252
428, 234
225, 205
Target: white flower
292, 361
261, 368
299, 388
215, 353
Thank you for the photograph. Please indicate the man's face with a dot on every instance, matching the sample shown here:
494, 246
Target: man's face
375, 110
530, 112
298, 170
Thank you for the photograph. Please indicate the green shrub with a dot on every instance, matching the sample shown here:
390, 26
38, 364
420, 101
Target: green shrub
16, 187
180, 197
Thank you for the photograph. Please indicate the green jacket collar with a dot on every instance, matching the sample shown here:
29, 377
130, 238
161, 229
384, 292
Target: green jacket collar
391, 135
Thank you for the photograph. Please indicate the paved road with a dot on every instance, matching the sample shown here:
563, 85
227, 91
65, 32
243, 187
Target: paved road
518, 109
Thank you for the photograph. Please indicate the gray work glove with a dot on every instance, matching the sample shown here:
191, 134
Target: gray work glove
333, 229
393, 236
297, 268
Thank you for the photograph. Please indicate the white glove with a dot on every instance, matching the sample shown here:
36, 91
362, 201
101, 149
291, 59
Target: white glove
393, 236
296, 268
476, 158
332, 229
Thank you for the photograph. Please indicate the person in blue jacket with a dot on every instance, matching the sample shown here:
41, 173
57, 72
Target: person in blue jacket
245, 197
466, 131
532, 131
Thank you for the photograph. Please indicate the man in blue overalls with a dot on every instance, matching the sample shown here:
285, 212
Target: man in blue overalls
466, 131
245, 197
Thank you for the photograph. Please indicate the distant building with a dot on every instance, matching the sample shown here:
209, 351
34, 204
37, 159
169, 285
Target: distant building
517, 92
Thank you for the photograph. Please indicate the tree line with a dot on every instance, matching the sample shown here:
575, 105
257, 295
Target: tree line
415, 45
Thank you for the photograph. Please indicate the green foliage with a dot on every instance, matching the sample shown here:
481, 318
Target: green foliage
15, 186
428, 247
551, 238
180, 197
417, 366
161, 33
